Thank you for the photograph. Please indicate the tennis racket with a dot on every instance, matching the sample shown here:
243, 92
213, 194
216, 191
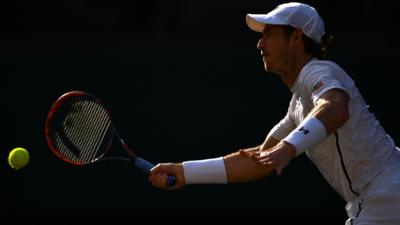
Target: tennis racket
79, 130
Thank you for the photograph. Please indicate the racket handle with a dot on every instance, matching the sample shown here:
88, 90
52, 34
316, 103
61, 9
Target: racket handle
146, 166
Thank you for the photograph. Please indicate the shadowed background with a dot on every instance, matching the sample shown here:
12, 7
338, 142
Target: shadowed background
183, 80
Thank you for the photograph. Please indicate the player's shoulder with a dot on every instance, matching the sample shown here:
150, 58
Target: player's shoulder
321, 68
316, 64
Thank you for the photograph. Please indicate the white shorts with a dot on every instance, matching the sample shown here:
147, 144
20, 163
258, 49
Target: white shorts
380, 203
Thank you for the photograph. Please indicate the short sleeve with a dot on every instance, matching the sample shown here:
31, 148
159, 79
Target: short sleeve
320, 80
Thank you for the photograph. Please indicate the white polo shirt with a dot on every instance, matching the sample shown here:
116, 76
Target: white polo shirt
352, 156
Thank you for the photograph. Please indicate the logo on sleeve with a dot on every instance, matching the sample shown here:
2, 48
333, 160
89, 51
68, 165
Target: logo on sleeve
318, 86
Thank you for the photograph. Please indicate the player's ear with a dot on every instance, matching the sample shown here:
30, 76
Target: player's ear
297, 35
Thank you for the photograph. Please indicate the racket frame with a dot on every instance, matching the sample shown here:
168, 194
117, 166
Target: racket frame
139, 162
54, 108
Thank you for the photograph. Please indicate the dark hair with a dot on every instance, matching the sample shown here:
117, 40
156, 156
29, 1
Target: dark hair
310, 46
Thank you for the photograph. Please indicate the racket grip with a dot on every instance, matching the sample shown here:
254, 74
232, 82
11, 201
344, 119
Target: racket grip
146, 166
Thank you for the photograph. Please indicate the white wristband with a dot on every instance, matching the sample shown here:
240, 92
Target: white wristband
205, 171
309, 133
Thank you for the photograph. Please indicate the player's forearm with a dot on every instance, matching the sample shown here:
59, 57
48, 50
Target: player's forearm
269, 142
242, 169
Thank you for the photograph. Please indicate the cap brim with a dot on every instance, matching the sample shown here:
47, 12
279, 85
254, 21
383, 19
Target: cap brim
257, 22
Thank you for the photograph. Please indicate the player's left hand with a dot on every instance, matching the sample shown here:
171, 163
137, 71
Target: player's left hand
277, 157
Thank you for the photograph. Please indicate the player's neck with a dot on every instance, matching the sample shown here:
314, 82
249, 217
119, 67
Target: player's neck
290, 77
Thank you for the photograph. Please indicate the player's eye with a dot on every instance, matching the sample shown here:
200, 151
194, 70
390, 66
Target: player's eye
267, 34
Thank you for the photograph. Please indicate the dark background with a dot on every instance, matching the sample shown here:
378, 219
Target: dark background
183, 80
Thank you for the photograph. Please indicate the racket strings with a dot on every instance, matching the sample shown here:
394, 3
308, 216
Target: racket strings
85, 131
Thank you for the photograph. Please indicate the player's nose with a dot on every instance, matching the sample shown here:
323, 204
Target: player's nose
260, 44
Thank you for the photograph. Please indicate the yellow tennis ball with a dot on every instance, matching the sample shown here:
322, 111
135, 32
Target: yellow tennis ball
18, 158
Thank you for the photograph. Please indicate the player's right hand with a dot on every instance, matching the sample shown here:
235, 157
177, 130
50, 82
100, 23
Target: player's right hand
249, 152
159, 175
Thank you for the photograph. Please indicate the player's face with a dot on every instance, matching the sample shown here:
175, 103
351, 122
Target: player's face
275, 49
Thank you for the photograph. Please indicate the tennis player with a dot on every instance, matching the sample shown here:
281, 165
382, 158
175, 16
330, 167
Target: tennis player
327, 119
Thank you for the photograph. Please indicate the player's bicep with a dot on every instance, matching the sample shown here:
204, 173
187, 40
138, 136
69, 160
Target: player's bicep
335, 97
332, 109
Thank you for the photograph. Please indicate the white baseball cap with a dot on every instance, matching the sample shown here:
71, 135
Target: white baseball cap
295, 14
